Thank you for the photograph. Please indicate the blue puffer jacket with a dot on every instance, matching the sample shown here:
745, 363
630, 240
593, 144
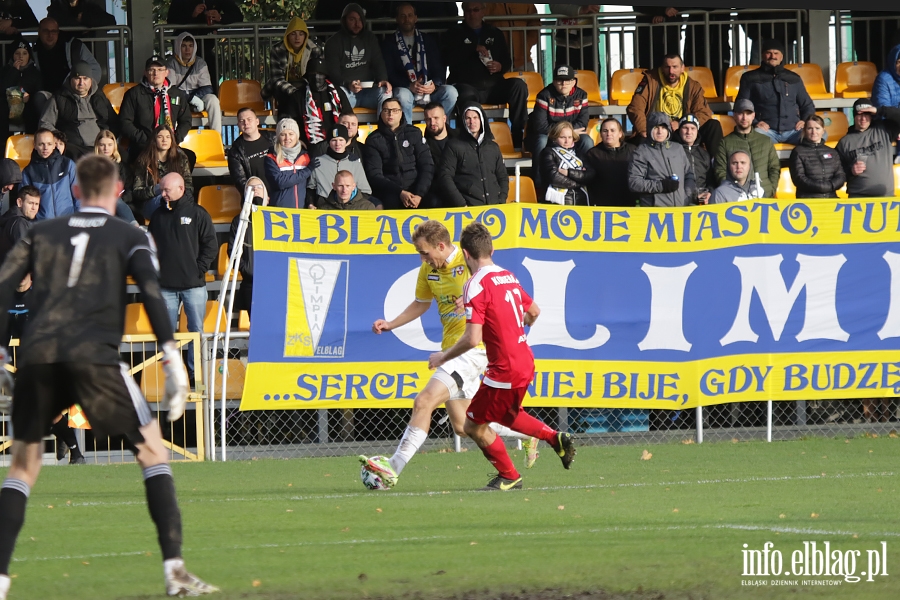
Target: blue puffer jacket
886, 89
54, 176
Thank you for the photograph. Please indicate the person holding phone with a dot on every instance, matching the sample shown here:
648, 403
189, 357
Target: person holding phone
866, 152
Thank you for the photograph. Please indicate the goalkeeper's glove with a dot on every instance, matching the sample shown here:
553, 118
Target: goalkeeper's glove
6, 381
177, 385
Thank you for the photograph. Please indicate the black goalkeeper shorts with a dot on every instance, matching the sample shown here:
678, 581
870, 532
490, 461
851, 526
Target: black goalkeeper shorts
110, 397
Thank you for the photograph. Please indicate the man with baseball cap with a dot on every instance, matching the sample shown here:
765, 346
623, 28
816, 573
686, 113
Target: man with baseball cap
781, 100
562, 100
760, 147
80, 111
152, 103
866, 152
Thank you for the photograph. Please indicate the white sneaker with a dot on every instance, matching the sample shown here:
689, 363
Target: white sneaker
184, 584
4, 586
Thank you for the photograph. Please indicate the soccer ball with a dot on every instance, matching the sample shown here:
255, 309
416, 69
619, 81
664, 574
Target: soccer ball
371, 479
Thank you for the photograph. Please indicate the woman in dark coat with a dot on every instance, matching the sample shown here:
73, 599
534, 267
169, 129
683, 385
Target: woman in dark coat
610, 159
816, 169
562, 170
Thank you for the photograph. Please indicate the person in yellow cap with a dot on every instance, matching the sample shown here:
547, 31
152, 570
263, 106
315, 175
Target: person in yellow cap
288, 62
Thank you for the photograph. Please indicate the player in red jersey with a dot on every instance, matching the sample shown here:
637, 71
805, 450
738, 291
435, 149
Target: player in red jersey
497, 311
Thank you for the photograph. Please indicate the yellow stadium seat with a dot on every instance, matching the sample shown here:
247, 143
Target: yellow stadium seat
811, 74
222, 263
364, 130
854, 79
704, 76
727, 122
836, 125
209, 320
587, 80
503, 137
733, 80
784, 147
593, 130
115, 91
222, 202
623, 84
526, 189
153, 381
421, 127
234, 385
786, 189
532, 79
235, 94
137, 322
842, 193
896, 180
19, 148
244, 321
207, 145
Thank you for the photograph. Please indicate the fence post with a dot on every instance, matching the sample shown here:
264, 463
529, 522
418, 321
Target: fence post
768, 420
699, 415
323, 425
563, 419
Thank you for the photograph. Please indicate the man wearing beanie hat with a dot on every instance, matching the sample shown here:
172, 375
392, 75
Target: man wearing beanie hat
866, 152
80, 111
781, 100
337, 157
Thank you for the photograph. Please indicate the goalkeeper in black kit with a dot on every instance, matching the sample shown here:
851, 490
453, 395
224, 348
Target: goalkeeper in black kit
70, 355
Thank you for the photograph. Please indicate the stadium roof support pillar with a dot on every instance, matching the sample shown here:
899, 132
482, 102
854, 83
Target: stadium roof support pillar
140, 19
819, 39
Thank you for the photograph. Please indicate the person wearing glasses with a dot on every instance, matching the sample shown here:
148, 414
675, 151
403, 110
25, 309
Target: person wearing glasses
397, 160
55, 55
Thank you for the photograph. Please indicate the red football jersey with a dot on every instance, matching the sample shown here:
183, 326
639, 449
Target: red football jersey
495, 300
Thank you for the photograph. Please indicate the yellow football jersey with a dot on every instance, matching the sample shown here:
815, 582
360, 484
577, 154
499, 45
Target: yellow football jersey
445, 285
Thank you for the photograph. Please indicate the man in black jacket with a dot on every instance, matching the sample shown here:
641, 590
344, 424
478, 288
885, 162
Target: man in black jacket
397, 161
478, 56
437, 134
55, 55
779, 96
689, 137
248, 151
472, 172
16, 222
186, 240
151, 103
80, 111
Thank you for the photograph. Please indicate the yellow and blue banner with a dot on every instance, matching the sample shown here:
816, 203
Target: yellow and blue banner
640, 308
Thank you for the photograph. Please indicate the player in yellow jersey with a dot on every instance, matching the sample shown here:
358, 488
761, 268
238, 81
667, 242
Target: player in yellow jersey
441, 277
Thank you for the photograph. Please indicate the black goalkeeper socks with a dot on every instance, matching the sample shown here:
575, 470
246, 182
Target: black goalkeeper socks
164, 509
13, 498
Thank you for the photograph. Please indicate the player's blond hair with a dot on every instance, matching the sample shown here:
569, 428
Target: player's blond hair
476, 240
433, 232
96, 175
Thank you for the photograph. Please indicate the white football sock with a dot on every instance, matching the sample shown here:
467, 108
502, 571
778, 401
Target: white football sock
504, 431
412, 440
4, 586
171, 564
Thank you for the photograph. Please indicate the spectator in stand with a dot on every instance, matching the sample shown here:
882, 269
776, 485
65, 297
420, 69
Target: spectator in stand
660, 171
816, 169
759, 146
610, 159
397, 160
20, 81
478, 57
287, 67
15, 15
320, 104
351, 122
55, 55
161, 157
522, 39
333, 11
243, 298
15, 222
414, 67
866, 151
664, 33
193, 78
247, 154
353, 60
574, 38
886, 89
80, 111
10, 178
561, 101
338, 157
669, 90
742, 181
561, 168
51, 173
472, 172
80, 13
437, 134
701, 163
287, 167
781, 100
186, 246
345, 195
209, 13
152, 103
106, 145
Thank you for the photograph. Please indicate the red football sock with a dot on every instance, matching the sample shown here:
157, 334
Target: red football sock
498, 456
525, 423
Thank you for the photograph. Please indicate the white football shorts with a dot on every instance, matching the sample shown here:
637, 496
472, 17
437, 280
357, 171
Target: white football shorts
462, 375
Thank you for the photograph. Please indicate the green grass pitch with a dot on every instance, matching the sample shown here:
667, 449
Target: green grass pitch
614, 525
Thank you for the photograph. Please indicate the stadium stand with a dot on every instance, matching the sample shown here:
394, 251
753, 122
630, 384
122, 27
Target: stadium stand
813, 79
527, 192
235, 94
854, 79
